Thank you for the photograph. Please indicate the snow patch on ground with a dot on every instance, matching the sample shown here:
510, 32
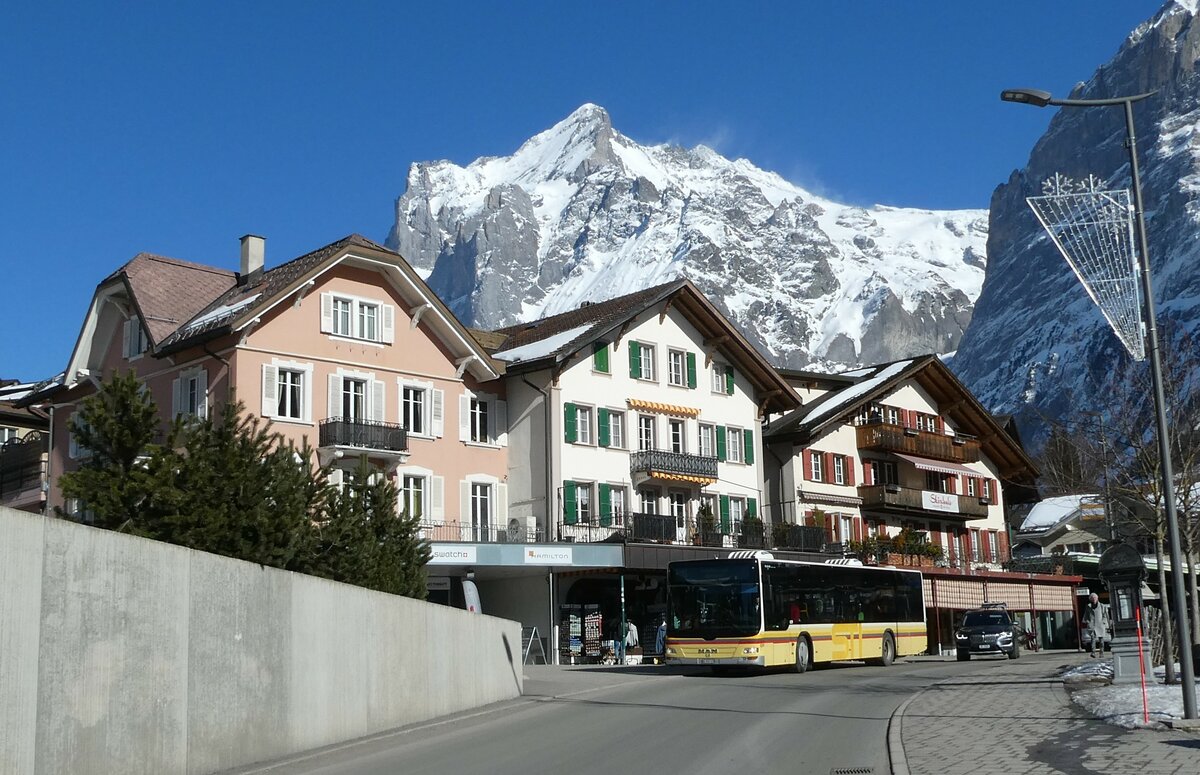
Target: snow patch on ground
1122, 705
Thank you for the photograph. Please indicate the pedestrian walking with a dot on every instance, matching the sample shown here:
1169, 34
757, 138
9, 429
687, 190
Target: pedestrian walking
1096, 623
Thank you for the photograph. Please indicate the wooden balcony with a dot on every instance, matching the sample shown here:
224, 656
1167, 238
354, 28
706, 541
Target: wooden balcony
907, 500
883, 437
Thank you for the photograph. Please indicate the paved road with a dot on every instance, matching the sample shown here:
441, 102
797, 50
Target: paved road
615, 720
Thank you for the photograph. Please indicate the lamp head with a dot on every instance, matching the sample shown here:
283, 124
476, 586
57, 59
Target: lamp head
1035, 97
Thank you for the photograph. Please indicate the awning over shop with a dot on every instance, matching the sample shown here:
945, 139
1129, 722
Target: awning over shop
689, 478
655, 406
941, 466
967, 593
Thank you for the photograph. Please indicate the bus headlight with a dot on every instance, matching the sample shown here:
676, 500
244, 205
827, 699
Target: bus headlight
750, 650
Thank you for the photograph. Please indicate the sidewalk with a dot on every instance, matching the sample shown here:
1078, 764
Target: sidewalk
1016, 717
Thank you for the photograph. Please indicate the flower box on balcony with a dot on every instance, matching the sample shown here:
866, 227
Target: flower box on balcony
891, 487
985, 501
911, 432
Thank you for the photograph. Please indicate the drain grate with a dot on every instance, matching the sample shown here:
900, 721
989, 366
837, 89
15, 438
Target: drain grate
852, 771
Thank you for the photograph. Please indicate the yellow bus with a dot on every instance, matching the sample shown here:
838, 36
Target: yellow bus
752, 610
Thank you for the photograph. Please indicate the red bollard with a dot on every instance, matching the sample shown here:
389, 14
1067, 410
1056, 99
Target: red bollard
1142, 665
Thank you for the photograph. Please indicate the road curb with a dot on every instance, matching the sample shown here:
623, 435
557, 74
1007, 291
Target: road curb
895, 741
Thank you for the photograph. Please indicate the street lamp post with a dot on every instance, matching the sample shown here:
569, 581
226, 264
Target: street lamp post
1041, 99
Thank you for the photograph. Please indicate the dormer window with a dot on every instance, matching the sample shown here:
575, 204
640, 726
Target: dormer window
133, 341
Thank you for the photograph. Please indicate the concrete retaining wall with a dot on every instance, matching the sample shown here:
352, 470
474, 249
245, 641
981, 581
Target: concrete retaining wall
119, 654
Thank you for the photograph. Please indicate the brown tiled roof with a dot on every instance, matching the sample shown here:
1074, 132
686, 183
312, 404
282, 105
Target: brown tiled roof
598, 316
268, 286
168, 291
488, 340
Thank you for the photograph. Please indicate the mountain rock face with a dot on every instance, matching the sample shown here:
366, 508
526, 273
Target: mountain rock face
582, 213
1037, 346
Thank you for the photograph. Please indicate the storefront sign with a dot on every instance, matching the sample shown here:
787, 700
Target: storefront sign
535, 555
452, 554
939, 501
437, 584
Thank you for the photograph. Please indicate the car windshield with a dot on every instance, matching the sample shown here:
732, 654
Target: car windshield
714, 599
985, 619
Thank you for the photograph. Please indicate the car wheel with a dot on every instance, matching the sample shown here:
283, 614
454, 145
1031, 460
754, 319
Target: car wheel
1015, 652
963, 656
803, 656
887, 651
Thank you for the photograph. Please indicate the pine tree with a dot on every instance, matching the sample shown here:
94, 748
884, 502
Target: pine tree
363, 540
115, 428
240, 490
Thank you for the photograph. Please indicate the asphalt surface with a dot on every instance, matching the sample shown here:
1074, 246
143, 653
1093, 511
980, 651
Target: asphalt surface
585, 720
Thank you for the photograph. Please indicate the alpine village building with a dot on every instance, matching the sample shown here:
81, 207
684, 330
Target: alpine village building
558, 465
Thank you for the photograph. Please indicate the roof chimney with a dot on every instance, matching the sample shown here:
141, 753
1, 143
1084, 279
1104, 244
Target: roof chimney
253, 250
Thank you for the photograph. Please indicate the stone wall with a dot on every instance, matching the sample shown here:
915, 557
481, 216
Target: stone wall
120, 654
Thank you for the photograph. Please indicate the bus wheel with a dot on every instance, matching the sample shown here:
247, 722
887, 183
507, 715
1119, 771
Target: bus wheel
803, 656
887, 652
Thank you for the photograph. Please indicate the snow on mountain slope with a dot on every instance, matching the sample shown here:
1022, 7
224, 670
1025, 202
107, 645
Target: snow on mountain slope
1037, 347
582, 213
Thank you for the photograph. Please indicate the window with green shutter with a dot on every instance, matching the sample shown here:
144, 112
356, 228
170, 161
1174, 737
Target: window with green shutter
635, 359
729, 380
748, 442
605, 428
600, 357
570, 508
691, 370
725, 514
721, 443
605, 505
569, 419
751, 507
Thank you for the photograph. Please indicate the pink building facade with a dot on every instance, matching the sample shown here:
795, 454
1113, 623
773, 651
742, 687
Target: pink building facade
345, 349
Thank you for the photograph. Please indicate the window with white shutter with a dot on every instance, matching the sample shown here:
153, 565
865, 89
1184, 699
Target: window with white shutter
437, 497
189, 393
357, 318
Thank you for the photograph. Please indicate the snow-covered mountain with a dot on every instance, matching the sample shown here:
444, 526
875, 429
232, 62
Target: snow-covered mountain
1037, 346
583, 213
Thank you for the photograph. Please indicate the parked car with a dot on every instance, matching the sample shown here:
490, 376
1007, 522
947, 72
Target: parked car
987, 630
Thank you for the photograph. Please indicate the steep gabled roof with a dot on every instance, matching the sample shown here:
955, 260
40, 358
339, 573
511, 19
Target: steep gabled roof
873, 383
552, 340
239, 306
166, 292
242, 302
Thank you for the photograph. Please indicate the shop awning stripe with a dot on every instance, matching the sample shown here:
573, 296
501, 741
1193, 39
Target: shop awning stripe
940, 466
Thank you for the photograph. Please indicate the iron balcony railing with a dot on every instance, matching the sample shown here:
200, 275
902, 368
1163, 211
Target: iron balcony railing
750, 533
885, 437
366, 434
515, 532
908, 499
23, 463
660, 460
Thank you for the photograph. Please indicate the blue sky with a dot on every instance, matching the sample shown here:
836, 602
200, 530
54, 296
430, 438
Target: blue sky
175, 128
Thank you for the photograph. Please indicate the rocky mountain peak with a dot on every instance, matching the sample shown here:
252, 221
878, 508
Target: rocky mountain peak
1037, 346
581, 212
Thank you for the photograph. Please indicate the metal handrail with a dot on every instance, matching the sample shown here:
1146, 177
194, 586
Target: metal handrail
647, 460
368, 434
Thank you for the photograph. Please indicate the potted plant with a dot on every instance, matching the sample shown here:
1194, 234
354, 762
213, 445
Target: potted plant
706, 524
752, 533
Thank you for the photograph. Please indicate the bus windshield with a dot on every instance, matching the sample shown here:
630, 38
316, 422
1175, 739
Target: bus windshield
714, 599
